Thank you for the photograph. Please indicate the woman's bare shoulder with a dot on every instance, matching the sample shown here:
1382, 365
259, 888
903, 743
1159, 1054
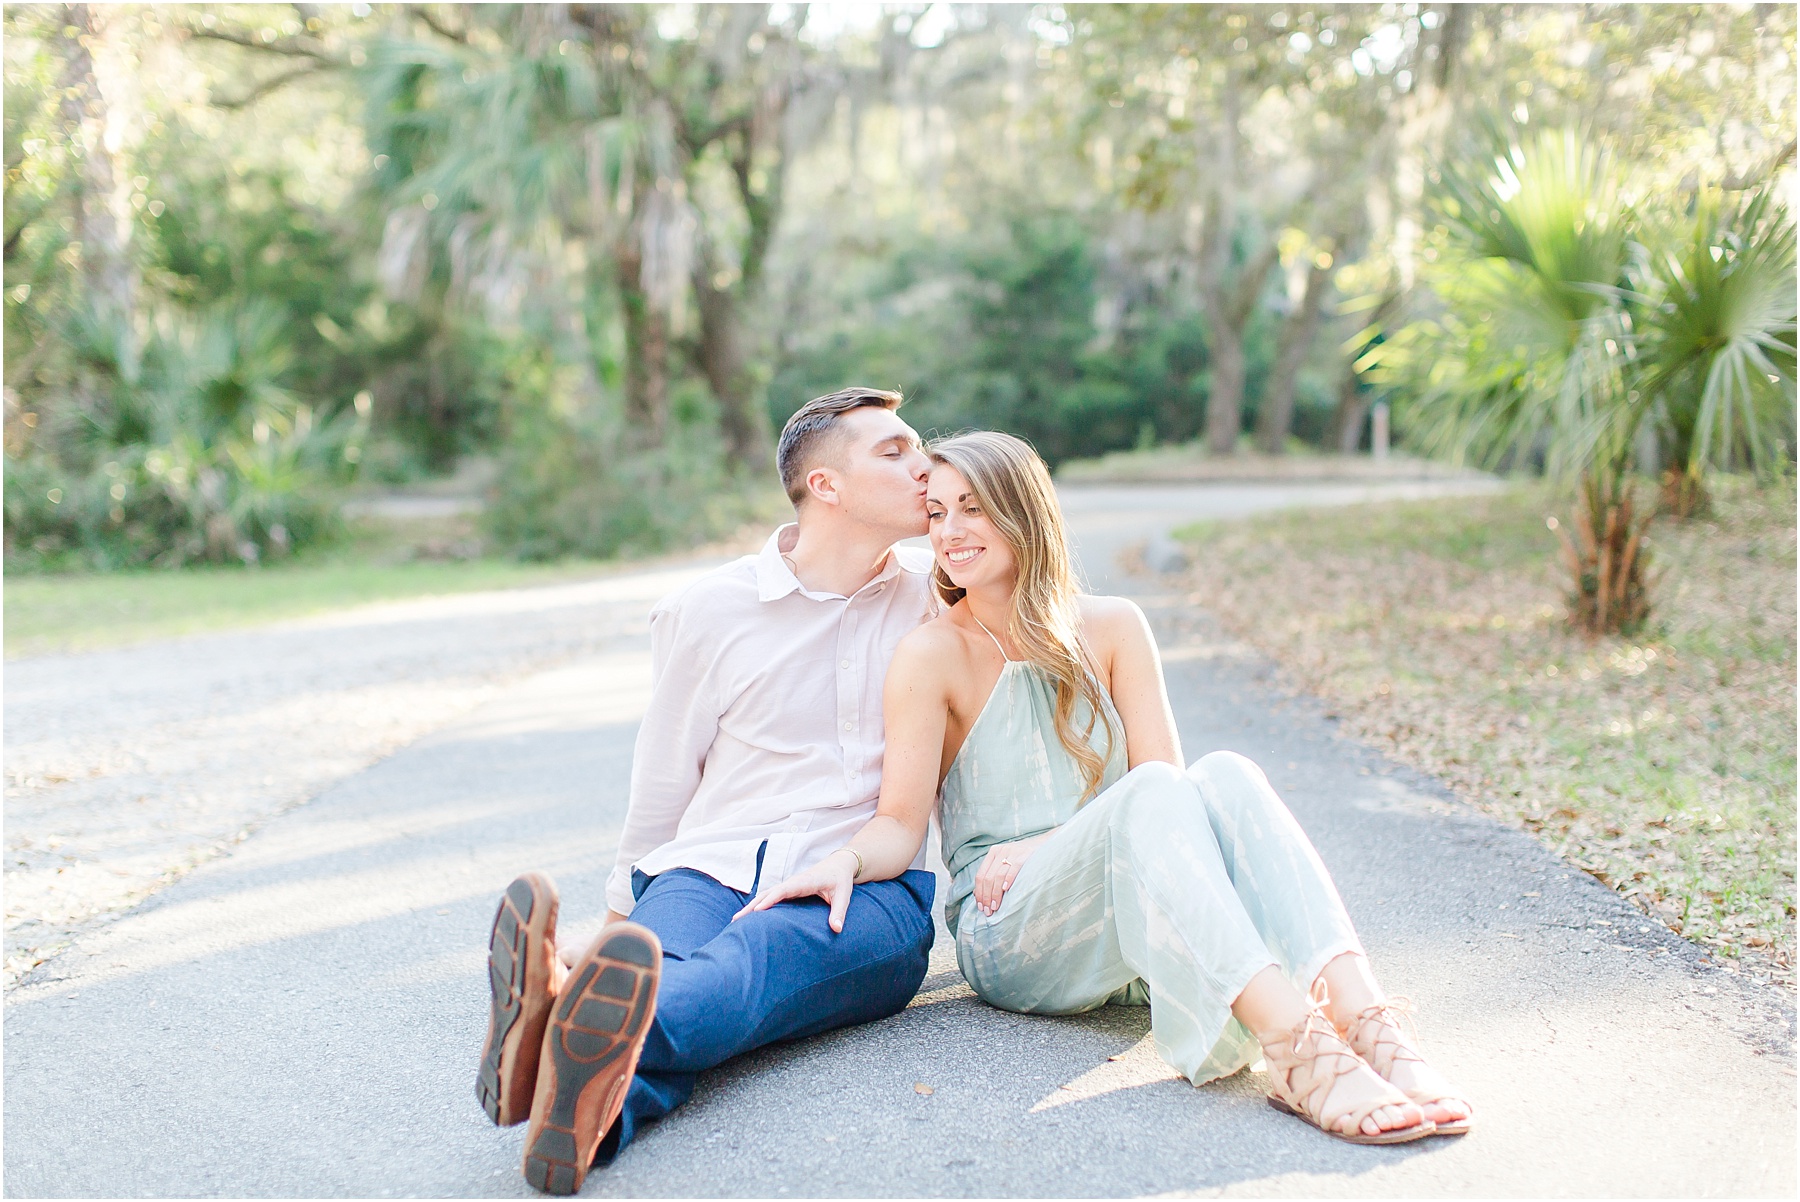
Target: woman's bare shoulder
937, 643
1111, 619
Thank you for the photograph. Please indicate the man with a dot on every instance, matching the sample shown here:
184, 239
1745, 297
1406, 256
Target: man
759, 756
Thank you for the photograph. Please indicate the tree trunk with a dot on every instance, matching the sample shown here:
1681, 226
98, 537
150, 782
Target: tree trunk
1228, 301
1423, 118
1606, 557
1228, 313
104, 222
1683, 494
1276, 415
646, 353
1352, 410
725, 359
759, 162
1225, 397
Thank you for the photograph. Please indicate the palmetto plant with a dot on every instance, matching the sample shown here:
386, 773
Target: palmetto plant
1529, 351
194, 450
1567, 317
1534, 350
1719, 340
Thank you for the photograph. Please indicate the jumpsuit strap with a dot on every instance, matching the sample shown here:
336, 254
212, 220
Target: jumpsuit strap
990, 634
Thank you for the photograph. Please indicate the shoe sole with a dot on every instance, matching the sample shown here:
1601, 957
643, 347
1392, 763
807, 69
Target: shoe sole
590, 1054
519, 946
1404, 1135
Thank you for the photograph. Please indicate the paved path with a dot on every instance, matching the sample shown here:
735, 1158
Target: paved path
301, 1015
127, 767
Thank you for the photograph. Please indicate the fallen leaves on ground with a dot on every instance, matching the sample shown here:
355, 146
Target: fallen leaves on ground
1662, 762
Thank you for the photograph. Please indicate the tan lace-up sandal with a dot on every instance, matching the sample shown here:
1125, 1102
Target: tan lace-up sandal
1305, 1066
1383, 1035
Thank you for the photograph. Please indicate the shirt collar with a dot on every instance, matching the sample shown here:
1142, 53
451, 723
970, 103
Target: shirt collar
774, 579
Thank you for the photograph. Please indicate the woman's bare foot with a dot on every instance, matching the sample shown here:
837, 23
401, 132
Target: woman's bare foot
1382, 1038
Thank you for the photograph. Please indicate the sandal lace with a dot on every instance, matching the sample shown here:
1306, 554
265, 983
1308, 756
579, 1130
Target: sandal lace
1395, 1040
1396, 1036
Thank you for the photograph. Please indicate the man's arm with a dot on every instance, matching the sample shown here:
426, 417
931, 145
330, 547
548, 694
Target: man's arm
677, 731
916, 706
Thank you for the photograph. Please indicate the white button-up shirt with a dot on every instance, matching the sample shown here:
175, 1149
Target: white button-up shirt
764, 737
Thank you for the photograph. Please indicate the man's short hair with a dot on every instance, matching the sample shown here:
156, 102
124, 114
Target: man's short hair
810, 428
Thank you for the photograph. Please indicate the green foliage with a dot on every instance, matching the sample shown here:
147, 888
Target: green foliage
195, 452
338, 236
1561, 333
997, 331
571, 483
1720, 339
1530, 344
256, 370
1566, 317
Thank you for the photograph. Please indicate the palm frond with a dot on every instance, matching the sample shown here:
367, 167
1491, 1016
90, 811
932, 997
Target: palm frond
1535, 344
1720, 340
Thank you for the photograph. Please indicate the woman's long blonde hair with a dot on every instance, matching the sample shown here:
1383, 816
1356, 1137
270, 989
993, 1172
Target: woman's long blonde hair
1013, 488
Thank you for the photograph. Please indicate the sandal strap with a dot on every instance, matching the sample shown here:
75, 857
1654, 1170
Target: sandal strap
1315, 1047
1395, 1039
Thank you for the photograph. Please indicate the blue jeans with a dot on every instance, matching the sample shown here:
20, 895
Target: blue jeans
781, 973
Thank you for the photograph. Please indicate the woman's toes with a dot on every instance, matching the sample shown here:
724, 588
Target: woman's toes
1387, 1118
1448, 1110
1396, 1118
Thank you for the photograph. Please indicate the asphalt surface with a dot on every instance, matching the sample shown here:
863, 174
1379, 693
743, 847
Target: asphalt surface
302, 1016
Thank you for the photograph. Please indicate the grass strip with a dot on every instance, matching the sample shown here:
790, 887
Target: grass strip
1663, 762
85, 611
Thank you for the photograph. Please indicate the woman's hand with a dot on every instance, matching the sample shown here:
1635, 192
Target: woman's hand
1001, 868
833, 878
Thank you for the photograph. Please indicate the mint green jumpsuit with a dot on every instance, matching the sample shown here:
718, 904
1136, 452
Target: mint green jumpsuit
1167, 886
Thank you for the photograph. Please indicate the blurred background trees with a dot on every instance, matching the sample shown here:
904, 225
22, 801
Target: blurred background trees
258, 254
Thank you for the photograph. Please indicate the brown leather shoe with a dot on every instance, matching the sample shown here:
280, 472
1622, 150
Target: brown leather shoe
590, 1054
524, 974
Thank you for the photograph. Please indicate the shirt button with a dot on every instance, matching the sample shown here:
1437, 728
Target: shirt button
843, 663
849, 726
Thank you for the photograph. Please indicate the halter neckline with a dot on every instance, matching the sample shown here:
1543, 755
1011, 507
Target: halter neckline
1002, 650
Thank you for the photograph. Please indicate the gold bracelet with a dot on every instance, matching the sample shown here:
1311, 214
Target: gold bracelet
859, 862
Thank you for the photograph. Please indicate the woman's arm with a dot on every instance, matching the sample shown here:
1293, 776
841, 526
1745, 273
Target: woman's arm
915, 711
1121, 636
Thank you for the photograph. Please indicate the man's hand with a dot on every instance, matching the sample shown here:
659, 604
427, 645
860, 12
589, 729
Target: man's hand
1000, 869
833, 878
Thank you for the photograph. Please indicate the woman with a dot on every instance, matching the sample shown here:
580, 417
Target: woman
1086, 865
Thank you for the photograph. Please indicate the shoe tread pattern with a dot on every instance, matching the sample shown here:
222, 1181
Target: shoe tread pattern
601, 1017
506, 982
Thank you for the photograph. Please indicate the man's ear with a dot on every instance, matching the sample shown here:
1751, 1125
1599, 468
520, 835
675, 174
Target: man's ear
822, 485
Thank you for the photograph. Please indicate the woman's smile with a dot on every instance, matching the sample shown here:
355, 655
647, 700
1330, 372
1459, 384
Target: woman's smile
962, 555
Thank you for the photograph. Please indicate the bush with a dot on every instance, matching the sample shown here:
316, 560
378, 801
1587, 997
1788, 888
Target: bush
192, 453
576, 486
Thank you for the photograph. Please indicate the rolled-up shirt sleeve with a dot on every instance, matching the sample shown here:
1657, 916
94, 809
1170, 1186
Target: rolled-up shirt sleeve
672, 742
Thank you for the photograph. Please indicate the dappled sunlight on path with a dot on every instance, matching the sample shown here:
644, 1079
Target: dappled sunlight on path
126, 768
